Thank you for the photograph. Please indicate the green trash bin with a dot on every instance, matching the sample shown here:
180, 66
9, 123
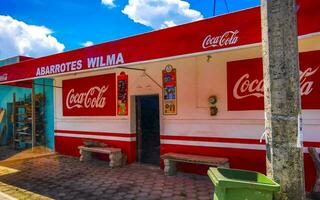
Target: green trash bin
232, 184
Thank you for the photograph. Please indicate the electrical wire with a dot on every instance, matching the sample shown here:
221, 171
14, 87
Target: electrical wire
215, 6
227, 7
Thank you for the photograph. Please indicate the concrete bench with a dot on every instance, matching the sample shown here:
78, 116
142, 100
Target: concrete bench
170, 160
115, 155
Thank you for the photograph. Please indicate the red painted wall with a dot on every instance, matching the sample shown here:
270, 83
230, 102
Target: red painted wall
69, 146
239, 159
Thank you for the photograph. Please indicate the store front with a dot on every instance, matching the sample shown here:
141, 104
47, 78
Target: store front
195, 88
20, 102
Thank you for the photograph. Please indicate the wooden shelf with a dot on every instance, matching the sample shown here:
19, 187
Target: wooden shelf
28, 124
24, 133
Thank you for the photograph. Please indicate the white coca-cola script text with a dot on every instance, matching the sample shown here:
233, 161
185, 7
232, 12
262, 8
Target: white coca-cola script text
226, 39
93, 98
244, 87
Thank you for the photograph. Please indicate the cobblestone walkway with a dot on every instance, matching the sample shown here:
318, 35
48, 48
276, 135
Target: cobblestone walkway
60, 177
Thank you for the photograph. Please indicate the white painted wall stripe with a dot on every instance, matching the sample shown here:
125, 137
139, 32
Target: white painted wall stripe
222, 145
214, 144
176, 142
101, 137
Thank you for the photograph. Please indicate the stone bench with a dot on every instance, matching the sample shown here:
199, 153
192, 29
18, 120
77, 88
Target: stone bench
115, 154
170, 160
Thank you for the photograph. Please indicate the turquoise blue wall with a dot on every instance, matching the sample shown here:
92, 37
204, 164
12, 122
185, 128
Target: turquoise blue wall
6, 95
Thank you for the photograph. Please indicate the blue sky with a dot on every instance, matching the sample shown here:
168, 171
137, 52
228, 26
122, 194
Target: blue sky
73, 22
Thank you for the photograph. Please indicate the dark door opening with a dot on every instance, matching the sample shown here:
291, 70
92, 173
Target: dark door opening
148, 129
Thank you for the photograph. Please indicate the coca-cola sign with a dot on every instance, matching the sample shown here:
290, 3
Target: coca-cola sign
93, 98
226, 39
3, 77
246, 87
245, 82
89, 96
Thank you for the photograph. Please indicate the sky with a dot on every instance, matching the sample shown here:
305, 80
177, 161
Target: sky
42, 27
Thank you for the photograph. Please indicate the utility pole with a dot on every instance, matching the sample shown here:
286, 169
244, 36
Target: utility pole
282, 100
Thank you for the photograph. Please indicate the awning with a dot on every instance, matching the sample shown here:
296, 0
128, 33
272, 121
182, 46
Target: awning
234, 30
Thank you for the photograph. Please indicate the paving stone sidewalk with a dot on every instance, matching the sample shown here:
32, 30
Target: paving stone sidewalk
61, 177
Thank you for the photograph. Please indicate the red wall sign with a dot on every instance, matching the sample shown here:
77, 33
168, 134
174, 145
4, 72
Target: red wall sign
245, 82
90, 96
231, 30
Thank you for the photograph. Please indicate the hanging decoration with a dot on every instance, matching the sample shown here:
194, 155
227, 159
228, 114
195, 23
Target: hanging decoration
169, 79
122, 94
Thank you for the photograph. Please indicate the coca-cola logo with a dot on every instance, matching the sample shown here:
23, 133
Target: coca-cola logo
93, 98
226, 39
244, 87
3, 77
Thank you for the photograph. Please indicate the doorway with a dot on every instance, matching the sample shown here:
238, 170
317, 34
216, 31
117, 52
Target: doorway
148, 129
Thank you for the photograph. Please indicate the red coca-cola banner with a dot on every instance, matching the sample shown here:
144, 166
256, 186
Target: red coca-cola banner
226, 31
245, 82
90, 96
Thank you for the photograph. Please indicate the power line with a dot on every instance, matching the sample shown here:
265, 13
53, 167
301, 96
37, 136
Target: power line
226, 3
215, 6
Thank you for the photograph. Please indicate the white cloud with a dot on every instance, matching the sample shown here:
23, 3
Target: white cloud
19, 38
161, 13
108, 3
87, 43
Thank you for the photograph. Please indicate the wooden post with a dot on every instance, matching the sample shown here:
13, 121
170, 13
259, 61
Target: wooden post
44, 142
14, 120
138, 128
33, 115
282, 99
